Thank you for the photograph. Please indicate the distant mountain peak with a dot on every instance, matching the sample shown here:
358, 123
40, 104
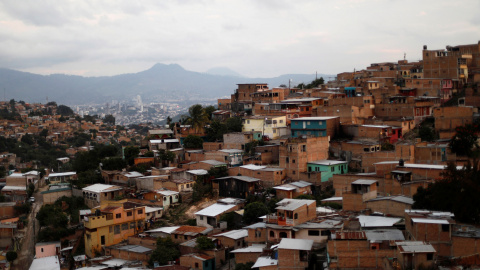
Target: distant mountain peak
160, 66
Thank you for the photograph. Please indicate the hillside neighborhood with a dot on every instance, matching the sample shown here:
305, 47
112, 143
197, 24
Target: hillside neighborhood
376, 169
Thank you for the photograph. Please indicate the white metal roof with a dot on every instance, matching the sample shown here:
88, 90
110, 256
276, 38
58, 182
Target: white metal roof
133, 174
292, 204
333, 199
45, 263
384, 235
164, 141
253, 167
167, 192
376, 221
231, 151
115, 262
327, 162
198, 172
296, 244
364, 182
235, 234
167, 230
430, 220
314, 118
8, 188
251, 249
149, 209
415, 247
60, 174
97, 188
264, 261
285, 187
214, 210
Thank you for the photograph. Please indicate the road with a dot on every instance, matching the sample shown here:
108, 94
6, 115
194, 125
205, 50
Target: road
27, 251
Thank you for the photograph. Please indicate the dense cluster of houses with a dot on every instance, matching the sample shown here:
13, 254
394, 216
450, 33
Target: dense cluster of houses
344, 137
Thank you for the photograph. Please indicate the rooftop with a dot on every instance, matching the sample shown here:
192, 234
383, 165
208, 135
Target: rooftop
215, 210
295, 244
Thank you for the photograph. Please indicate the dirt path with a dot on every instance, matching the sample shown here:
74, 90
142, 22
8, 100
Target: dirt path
27, 251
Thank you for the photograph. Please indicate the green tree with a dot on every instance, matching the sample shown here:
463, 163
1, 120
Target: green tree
114, 163
234, 124
197, 117
209, 111
253, 211
464, 142
149, 154
165, 155
426, 133
193, 142
165, 251
215, 131
109, 119
204, 243
64, 110
130, 153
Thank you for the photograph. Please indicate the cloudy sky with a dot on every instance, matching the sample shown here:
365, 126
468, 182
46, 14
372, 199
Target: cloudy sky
256, 38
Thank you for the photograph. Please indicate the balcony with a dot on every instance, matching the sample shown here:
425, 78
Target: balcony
282, 221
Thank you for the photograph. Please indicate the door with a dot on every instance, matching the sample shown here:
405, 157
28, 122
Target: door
102, 239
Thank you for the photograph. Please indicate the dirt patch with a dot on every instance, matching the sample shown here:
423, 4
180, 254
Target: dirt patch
190, 213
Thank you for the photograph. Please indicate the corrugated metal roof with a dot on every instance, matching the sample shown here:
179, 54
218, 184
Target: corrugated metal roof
255, 248
97, 188
264, 261
167, 230
235, 234
363, 182
430, 220
215, 210
292, 204
384, 235
296, 244
327, 162
376, 221
415, 247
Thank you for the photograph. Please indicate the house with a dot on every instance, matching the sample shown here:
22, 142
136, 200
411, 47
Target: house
234, 239
198, 261
233, 157
315, 126
187, 233
361, 191
61, 177
293, 190
95, 194
56, 191
129, 252
248, 254
390, 205
236, 186
272, 127
269, 176
162, 231
210, 216
164, 197
294, 253
415, 254
328, 168
111, 224
47, 249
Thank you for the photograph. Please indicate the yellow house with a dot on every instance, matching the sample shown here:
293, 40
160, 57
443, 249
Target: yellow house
271, 126
112, 223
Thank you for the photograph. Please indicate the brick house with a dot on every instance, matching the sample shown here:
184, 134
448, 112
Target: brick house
198, 261
361, 191
236, 186
293, 190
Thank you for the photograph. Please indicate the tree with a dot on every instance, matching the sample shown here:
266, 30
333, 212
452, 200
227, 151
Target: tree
253, 211
109, 119
64, 110
457, 192
215, 131
313, 84
166, 251
465, 140
169, 120
209, 111
244, 266
193, 142
130, 153
11, 255
426, 133
165, 155
204, 243
113, 163
234, 124
197, 117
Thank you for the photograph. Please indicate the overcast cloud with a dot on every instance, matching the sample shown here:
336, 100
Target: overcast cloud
256, 38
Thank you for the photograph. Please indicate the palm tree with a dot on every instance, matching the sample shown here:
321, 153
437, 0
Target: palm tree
198, 118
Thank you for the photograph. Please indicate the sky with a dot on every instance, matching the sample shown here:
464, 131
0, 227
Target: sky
256, 38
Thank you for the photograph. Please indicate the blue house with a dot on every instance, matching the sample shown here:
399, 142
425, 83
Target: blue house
350, 91
328, 168
315, 126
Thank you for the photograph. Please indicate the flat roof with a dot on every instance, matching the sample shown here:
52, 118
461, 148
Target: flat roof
167, 230
198, 172
363, 182
376, 221
255, 248
45, 263
97, 188
314, 118
430, 220
265, 261
61, 174
327, 162
296, 244
292, 204
215, 210
235, 234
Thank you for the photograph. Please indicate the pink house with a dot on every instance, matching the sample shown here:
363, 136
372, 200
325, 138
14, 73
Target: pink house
47, 249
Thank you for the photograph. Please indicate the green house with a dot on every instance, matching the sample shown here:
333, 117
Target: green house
328, 168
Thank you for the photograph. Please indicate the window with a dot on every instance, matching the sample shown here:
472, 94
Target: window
445, 227
196, 265
313, 232
287, 160
201, 217
132, 225
164, 198
295, 216
118, 215
110, 229
185, 237
176, 236
140, 212
304, 148
42, 249
258, 234
129, 214
429, 256
272, 234
332, 169
117, 229
293, 160
124, 226
283, 235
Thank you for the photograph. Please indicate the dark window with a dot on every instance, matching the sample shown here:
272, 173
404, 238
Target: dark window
196, 265
445, 227
129, 214
313, 232
283, 235
140, 211
117, 229
124, 226
118, 215
429, 256
272, 234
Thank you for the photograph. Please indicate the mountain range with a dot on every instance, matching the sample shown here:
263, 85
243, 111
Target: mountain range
160, 82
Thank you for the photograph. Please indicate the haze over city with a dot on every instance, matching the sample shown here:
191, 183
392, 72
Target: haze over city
253, 38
